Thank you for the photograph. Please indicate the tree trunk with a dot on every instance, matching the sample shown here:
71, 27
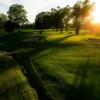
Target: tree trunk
56, 29
40, 31
66, 28
61, 30
77, 30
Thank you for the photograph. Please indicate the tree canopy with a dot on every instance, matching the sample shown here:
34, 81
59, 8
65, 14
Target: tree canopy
59, 18
17, 14
56, 18
81, 13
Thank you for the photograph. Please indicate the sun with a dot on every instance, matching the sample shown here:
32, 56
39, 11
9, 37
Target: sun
96, 13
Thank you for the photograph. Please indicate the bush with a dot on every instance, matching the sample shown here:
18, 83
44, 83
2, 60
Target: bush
9, 26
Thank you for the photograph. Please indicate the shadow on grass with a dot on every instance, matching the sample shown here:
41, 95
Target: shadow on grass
45, 45
82, 72
14, 42
67, 90
86, 88
61, 39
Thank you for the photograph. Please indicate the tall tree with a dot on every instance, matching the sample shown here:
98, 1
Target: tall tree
3, 19
60, 16
53, 17
81, 13
67, 17
47, 20
64, 17
39, 21
57, 18
17, 14
77, 15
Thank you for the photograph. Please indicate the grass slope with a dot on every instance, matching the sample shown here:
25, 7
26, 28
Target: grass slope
13, 84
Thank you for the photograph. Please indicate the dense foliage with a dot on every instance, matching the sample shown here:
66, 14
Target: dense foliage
59, 18
3, 19
10, 26
17, 14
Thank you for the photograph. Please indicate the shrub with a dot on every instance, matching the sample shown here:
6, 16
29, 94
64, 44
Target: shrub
9, 26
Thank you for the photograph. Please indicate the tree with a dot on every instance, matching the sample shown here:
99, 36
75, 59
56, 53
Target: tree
39, 21
67, 17
64, 17
3, 19
60, 16
81, 13
47, 20
53, 17
17, 14
57, 18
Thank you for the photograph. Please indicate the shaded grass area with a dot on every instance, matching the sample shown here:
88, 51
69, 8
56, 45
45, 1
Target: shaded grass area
66, 64
13, 84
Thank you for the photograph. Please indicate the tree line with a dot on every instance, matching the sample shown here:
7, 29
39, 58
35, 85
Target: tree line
58, 18
78, 15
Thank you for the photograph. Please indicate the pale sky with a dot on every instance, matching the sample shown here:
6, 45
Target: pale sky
33, 7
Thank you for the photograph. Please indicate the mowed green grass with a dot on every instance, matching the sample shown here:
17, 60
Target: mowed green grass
68, 65
13, 84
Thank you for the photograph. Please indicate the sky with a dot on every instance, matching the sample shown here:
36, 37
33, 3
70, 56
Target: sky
33, 7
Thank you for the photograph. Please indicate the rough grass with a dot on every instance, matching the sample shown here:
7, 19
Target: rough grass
67, 64
13, 84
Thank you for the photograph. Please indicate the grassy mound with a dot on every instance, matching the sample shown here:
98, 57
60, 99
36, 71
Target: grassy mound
13, 84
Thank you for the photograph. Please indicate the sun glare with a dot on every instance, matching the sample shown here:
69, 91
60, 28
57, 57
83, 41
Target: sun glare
96, 13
